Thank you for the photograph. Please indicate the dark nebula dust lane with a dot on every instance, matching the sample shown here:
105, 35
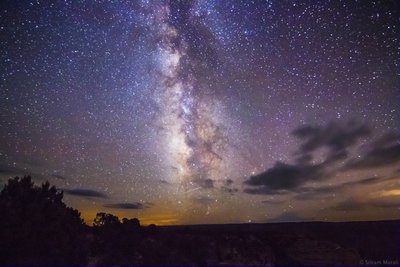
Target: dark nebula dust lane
205, 111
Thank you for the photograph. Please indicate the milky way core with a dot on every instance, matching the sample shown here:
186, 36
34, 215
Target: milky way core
192, 133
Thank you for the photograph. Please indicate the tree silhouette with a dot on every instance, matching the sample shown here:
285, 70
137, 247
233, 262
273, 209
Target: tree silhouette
116, 242
133, 222
37, 228
105, 220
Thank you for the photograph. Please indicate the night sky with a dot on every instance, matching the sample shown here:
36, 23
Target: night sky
192, 112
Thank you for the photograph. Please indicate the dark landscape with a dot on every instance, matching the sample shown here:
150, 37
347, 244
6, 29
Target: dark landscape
306, 243
37, 228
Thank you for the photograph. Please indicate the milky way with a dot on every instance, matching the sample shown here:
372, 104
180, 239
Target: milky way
185, 118
205, 111
193, 136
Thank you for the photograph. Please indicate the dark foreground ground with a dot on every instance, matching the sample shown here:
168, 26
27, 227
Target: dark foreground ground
38, 229
293, 244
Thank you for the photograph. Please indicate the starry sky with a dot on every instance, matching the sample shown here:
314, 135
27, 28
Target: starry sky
193, 112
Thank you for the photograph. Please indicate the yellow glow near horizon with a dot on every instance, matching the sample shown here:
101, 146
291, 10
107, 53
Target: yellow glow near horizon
390, 193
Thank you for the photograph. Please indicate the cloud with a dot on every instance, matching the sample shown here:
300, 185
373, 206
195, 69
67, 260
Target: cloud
85, 193
273, 201
228, 187
383, 151
8, 170
369, 180
388, 139
336, 137
377, 157
229, 190
263, 190
284, 177
287, 217
349, 205
128, 206
59, 176
308, 193
352, 204
313, 195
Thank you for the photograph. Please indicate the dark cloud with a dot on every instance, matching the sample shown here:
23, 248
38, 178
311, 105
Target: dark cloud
273, 201
377, 157
287, 217
372, 180
304, 159
284, 177
229, 189
88, 193
369, 180
385, 204
337, 137
11, 170
6, 169
384, 150
349, 205
387, 139
318, 193
263, 190
21, 171
59, 176
308, 193
352, 204
128, 206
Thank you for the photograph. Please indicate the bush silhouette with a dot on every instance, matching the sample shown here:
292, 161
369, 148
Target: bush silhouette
116, 242
105, 220
37, 228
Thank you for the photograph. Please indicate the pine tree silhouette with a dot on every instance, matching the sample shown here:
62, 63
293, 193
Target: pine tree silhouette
37, 228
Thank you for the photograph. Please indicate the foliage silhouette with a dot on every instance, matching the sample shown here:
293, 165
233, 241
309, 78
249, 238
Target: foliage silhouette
105, 220
116, 242
37, 227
